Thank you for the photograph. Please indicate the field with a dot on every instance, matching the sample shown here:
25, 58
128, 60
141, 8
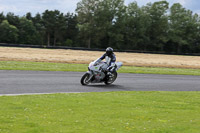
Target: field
108, 112
84, 57
49, 66
105, 112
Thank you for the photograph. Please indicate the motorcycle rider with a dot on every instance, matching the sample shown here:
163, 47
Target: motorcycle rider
110, 59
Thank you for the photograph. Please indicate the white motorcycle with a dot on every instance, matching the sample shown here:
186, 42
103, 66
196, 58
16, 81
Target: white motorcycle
98, 73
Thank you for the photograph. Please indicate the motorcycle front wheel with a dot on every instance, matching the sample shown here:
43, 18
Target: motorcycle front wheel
84, 79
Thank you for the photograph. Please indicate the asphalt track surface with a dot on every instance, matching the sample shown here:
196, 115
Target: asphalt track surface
39, 82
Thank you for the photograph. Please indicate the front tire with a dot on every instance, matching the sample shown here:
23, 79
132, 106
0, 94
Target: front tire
112, 79
85, 78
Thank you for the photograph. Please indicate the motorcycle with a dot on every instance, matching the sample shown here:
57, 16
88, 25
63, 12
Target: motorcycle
100, 72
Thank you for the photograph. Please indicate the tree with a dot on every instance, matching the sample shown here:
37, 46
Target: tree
38, 24
71, 32
183, 29
197, 39
159, 25
86, 10
97, 20
112, 23
48, 21
8, 33
12, 19
192, 33
2, 17
27, 31
135, 27
54, 23
138, 27
60, 27
103, 23
29, 16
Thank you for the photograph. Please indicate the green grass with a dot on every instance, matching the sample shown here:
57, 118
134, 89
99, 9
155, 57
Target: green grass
42, 66
107, 112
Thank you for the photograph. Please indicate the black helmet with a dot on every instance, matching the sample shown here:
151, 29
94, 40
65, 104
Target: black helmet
109, 51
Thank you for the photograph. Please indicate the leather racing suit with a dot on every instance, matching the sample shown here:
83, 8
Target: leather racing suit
110, 61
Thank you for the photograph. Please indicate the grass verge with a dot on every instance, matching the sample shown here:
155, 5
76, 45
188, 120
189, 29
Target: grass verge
107, 112
43, 66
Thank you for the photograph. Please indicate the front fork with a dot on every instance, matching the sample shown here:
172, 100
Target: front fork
91, 76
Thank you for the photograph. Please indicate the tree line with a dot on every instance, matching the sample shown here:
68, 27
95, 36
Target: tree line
103, 23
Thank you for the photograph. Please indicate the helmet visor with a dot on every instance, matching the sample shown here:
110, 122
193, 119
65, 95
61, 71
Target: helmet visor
108, 52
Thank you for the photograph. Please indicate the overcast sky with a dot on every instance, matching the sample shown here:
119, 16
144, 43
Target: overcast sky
21, 7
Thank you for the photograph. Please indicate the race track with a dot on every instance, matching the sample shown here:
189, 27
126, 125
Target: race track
33, 82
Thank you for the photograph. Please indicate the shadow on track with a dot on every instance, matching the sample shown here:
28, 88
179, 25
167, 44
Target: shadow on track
111, 87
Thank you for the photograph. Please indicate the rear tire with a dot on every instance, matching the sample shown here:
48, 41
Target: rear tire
85, 78
109, 80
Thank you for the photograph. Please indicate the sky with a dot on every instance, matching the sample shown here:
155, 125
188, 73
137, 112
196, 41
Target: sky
21, 7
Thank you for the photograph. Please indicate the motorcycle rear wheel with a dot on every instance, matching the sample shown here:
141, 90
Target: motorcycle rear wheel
109, 80
84, 79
